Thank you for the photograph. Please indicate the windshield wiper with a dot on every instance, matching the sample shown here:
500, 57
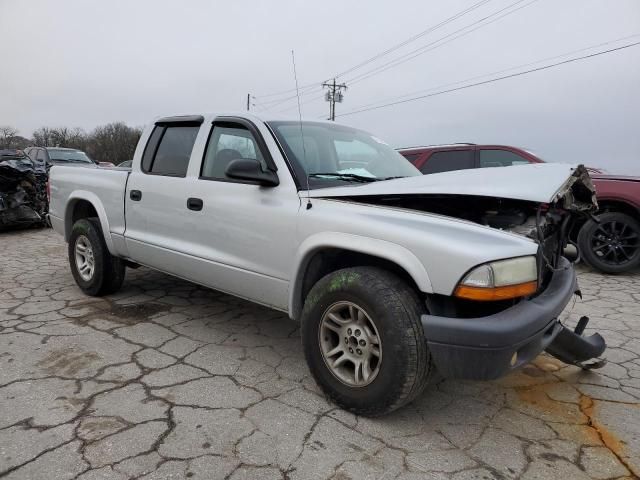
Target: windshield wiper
345, 176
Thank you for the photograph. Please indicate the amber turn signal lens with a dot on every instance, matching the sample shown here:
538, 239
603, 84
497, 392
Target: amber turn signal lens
489, 294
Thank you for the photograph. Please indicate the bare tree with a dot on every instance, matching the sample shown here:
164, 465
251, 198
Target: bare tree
114, 142
7, 135
42, 137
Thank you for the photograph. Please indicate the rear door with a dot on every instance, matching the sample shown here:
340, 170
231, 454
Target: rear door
157, 192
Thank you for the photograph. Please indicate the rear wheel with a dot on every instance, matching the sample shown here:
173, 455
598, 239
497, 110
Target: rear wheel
94, 269
613, 244
363, 340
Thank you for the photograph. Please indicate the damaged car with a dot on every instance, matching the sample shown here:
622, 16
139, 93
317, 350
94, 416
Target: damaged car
23, 197
393, 275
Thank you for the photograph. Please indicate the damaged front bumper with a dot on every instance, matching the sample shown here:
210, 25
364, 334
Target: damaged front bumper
489, 347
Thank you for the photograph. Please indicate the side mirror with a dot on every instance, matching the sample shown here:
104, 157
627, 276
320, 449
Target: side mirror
250, 169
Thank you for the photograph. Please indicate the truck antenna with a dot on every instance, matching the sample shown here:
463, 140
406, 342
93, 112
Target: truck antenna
304, 150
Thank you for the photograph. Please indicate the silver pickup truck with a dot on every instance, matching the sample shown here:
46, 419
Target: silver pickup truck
392, 274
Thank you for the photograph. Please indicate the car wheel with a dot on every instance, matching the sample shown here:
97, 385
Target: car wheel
613, 244
363, 340
94, 269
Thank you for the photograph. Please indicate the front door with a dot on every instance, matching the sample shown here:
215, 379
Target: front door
246, 231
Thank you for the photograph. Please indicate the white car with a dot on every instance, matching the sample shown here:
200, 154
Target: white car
392, 274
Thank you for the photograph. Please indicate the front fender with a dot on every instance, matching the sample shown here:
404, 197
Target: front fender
356, 243
92, 198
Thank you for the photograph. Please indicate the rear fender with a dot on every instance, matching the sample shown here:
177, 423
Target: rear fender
92, 198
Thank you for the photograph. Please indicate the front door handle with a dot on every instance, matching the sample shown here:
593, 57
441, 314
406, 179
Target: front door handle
195, 204
135, 195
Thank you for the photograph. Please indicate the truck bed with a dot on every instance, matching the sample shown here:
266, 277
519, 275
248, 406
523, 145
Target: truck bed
73, 183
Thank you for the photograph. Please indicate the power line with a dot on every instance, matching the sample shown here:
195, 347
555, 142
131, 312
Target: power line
419, 51
439, 43
316, 98
545, 67
525, 65
414, 37
302, 89
386, 52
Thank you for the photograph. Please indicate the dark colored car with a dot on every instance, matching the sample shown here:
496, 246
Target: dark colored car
23, 193
608, 241
50, 156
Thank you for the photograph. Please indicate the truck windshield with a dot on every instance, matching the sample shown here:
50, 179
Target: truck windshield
60, 155
337, 155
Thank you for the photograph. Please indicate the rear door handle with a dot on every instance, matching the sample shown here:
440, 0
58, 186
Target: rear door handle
135, 195
195, 204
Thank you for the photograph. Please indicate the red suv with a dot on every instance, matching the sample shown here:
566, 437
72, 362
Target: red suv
460, 156
609, 242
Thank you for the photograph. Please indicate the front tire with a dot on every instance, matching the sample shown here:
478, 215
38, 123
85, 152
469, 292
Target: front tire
363, 340
613, 245
94, 269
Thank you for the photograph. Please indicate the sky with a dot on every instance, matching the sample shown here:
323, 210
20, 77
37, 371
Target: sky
82, 63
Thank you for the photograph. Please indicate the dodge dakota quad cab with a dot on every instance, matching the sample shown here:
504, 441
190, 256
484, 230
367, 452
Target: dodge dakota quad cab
392, 274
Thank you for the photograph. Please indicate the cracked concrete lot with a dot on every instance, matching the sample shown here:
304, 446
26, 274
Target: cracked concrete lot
170, 380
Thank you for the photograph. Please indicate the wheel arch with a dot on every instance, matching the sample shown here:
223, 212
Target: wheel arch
611, 204
83, 204
608, 204
324, 253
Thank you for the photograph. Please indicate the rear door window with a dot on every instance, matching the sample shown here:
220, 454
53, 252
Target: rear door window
446, 161
169, 149
500, 158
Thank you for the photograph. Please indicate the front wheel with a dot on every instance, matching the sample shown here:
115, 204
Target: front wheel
613, 244
363, 340
94, 269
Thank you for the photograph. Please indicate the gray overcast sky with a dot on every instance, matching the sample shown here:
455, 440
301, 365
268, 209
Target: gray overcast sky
87, 62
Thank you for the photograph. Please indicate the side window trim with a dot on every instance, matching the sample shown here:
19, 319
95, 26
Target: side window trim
165, 124
236, 122
249, 125
155, 149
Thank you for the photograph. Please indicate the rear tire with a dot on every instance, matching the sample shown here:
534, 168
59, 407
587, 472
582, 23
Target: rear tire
613, 245
94, 269
386, 310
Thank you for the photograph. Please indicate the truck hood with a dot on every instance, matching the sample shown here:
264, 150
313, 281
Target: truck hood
542, 183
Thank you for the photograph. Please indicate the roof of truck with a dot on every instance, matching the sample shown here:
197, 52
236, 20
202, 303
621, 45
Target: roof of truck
262, 117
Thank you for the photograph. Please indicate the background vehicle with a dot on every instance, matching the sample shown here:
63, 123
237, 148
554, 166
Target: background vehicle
461, 156
609, 242
50, 156
23, 198
389, 277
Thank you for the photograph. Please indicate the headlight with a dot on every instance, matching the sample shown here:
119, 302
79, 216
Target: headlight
500, 280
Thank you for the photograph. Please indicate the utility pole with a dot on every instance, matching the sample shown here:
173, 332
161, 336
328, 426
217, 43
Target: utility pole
248, 101
334, 95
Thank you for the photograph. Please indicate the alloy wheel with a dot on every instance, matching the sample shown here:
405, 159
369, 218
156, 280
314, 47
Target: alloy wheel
85, 261
615, 242
350, 344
